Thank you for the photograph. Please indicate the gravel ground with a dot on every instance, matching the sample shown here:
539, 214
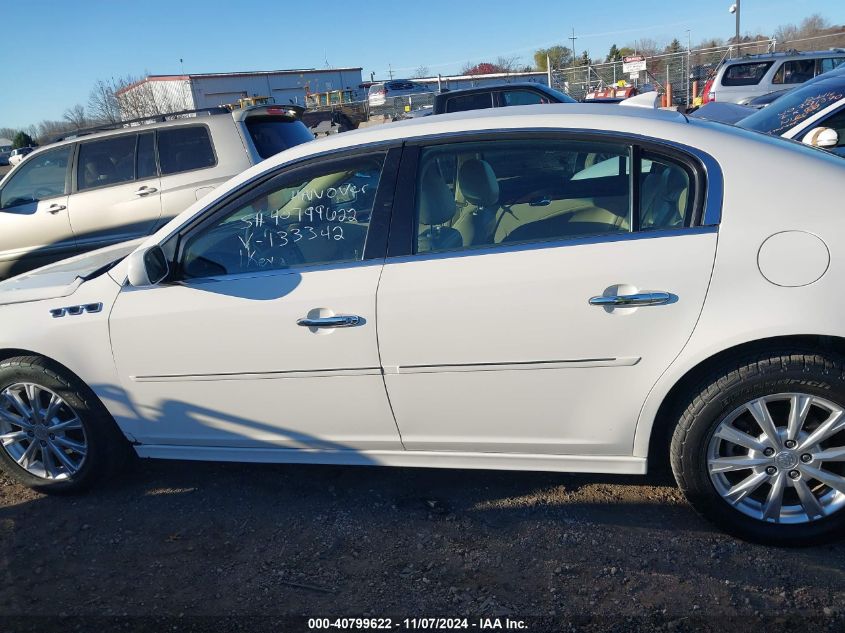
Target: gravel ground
191, 539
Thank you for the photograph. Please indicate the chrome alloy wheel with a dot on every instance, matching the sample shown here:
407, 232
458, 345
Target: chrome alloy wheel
781, 458
41, 432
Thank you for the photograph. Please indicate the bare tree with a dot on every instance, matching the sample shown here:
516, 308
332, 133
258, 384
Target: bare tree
508, 64
102, 101
76, 116
421, 72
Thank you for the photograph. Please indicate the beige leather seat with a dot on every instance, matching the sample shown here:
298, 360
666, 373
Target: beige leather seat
479, 187
664, 197
436, 208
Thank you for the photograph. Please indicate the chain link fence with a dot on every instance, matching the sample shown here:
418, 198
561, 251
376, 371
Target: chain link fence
684, 70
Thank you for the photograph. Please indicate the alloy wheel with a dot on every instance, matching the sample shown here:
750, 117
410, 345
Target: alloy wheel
781, 458
41, 432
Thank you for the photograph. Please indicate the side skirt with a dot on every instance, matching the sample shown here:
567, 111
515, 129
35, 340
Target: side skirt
612, 464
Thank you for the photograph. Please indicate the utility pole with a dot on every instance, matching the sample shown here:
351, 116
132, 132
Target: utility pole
390, 71
734, 8
573, 38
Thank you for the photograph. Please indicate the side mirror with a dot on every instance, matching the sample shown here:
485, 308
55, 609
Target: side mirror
147, 267
821, 137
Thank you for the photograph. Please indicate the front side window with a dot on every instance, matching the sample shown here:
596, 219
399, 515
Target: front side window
473, 195
796, 71
522, 97
107, 162
477, 101
185, 149
747, 74
320, 216
827, 64
41, 177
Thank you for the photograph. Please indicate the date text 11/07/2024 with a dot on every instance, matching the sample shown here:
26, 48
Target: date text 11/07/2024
413, 624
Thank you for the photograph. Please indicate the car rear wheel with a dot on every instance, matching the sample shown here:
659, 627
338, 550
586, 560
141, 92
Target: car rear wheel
55, 436
760, 450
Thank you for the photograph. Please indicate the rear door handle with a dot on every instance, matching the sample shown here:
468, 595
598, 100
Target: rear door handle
639, 299
341, 320
55, 208
145, 191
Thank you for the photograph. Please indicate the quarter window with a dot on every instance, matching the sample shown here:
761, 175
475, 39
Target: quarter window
318, 217
665, 191
185, 149
748, 74
107, 162
39, 178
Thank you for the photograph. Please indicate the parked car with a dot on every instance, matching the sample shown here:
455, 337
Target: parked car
392, 93
497, 96
106, 186
813, 113
17, 155
763, 100
755, 75
444, 293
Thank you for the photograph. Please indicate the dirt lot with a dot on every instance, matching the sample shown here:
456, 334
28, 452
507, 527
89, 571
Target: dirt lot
5, 169
183, 539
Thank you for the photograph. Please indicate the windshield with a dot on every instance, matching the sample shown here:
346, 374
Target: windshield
794, 107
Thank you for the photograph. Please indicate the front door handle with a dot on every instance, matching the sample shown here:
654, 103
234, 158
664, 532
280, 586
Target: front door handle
55, 208
639, 299
341, 320
145, 191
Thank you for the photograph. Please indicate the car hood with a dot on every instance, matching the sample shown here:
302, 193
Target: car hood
62, 278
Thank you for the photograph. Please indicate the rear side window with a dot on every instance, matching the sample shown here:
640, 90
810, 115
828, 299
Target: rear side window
185, 149
796, 71
747, 74
478, 101
665, 194
827, 64
271, 135
522, 97
107, 162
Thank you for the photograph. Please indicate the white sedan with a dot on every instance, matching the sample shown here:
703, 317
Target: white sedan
446, 293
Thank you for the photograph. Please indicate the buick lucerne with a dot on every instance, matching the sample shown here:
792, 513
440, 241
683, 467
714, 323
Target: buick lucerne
468, 291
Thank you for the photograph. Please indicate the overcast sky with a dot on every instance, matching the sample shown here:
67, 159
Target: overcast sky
71, 44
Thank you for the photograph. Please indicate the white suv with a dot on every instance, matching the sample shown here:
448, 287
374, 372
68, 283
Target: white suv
756, 75
112, 185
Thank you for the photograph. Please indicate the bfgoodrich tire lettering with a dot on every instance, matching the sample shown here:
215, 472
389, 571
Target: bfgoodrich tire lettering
760, 450
55, 436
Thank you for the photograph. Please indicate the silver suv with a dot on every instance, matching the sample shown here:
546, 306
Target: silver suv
755, 75
105, 186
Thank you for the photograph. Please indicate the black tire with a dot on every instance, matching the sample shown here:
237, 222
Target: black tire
771, 372
107, 447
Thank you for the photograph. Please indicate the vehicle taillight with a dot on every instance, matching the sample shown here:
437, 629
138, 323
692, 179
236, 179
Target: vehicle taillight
707, 95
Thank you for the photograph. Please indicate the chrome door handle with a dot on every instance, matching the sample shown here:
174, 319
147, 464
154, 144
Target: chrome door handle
55, 208
341, 320
639, 299
145, 191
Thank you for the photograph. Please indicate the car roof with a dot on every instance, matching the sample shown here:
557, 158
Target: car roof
764, 57
555, 115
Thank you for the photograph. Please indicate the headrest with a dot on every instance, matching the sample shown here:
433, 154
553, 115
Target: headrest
478, 183
437, 202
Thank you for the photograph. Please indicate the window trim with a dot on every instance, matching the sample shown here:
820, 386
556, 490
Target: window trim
705, 173
375, 244
187, 171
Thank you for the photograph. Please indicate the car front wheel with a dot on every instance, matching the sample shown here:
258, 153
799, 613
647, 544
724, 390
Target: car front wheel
55, 436
760, 450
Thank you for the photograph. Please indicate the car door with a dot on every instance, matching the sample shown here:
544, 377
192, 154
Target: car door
546, 291
189, 164
34, 225
116, 194
265, 335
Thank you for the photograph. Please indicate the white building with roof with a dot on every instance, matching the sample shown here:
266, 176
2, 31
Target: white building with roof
172, 93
